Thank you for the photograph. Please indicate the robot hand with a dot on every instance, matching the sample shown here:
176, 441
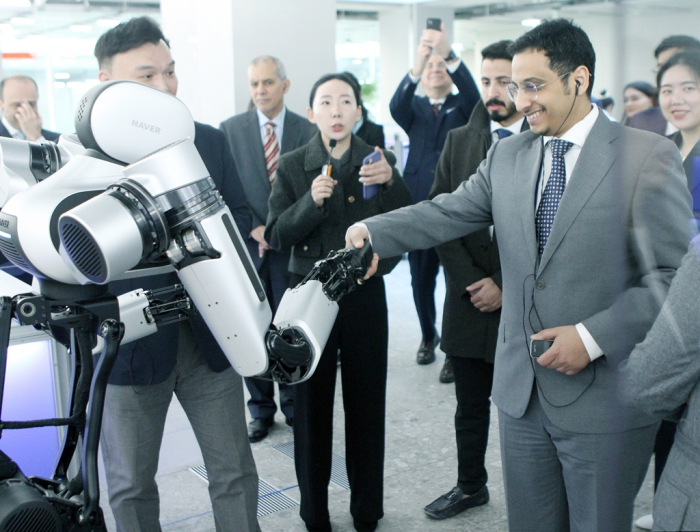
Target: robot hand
306, 314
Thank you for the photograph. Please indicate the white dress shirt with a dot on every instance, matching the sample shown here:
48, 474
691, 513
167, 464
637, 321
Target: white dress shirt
14, 131
577, 135
279, 125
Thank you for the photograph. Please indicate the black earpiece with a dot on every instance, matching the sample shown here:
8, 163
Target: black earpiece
578, 85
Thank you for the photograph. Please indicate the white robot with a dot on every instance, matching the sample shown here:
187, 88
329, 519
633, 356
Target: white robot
97, 220
129, 197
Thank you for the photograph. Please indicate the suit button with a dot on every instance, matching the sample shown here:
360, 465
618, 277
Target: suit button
306, 248
540, 285
351, 199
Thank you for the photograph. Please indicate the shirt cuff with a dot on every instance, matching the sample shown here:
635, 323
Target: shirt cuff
414, 79
593, 349
452, 67
359, 224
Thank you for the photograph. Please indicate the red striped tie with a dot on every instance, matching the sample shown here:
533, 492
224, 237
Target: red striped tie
272, 151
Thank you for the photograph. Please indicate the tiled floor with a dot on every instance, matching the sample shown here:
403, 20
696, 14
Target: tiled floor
420, 461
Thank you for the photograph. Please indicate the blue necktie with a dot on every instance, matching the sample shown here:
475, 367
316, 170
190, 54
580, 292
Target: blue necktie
503, 133
549, 203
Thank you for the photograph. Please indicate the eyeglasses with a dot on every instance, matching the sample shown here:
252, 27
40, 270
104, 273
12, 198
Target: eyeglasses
529, 88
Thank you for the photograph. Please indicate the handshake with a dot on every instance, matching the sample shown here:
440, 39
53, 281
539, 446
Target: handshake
355, 237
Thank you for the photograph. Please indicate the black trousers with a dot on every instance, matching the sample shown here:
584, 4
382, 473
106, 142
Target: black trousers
424, 264
360, 335
274, 276
473, 380
662, 447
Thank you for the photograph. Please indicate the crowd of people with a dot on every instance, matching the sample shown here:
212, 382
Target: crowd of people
561, 233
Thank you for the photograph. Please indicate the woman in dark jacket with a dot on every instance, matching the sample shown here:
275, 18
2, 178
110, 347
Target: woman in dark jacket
311, 207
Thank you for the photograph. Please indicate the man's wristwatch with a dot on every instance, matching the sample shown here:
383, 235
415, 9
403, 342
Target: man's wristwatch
451, 56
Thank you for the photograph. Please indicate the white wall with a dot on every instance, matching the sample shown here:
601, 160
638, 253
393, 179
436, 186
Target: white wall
213, 41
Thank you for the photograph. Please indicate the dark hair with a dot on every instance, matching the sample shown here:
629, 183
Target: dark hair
642, 86
342, 76
356, 82
684, 42
126, 36
690, 59
18, 77
498, 50
566, 45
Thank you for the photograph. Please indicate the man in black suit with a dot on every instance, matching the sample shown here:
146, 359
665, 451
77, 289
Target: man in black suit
426, 120
21, 118
187, 362
473, 272
257, 138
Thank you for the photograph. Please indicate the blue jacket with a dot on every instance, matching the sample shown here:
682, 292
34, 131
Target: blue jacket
427, 132
152, 359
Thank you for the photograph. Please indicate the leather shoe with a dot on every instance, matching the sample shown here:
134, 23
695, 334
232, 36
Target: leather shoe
446, 374
454, 502
364, 526
258, 428
319, 528
426, 351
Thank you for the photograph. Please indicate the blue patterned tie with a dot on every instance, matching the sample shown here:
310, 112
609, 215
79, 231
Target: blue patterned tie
549, 203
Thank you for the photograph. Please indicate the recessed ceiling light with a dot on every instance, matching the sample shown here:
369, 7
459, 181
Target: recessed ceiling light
530, 22
61, 75
22, 21
106, 23
81, 28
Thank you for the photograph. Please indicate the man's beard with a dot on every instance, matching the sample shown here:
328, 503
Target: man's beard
510, 110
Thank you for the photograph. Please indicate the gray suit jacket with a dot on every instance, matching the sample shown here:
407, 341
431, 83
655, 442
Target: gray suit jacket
618, 237
660, 377
243, 133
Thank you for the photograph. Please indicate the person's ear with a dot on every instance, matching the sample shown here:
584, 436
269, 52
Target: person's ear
286, 84
103, 76
310, 115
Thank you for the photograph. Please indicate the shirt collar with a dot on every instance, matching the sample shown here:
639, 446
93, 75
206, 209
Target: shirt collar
516, 127
579, 132
440, 101
278, 120
11, 130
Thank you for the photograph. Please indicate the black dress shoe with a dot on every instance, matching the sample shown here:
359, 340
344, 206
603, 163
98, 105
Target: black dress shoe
452, 503
321, 528
364, 526
258, 428
446, 374
426, 351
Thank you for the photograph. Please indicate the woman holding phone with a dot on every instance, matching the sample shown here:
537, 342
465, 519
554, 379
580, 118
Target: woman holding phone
317, 194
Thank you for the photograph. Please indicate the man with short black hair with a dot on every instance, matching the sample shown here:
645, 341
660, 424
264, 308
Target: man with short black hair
186, 362
473, 284
258, 138
592, 220
670, 46
21, 119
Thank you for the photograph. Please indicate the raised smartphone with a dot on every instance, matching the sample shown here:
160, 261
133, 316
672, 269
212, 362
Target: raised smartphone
434, 24
369, 191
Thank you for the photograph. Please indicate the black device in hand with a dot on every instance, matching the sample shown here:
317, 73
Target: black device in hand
434, 24
538, 347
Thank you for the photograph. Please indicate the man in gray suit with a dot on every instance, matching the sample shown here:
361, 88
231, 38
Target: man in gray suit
592, 221
661, 377
258, 138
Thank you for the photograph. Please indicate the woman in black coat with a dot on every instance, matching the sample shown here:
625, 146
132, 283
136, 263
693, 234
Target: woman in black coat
311, 208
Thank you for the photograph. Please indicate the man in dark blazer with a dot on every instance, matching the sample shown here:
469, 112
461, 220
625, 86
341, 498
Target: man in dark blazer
185, 361
21, 119
247, 134
426, 120
473, 293
592, 221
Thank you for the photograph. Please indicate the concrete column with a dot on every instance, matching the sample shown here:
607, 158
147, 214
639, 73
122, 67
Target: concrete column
213, 41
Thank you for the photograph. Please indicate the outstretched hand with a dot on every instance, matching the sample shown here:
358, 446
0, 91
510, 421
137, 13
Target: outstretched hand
356, 236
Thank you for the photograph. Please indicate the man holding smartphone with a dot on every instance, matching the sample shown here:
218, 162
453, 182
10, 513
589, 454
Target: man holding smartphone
426, 120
